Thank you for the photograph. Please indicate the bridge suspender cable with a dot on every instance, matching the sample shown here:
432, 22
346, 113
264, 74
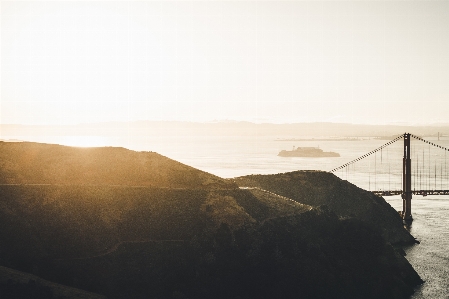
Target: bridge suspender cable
416, 173
375, 171
368, 154
435, 176
423, 170
428, 174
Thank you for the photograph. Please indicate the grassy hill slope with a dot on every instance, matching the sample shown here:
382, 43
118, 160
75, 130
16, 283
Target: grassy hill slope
316, 188
37, 163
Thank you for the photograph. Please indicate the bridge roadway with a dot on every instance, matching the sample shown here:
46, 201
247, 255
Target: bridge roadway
414, 192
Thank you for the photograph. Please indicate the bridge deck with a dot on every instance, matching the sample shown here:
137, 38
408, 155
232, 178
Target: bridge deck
414, 192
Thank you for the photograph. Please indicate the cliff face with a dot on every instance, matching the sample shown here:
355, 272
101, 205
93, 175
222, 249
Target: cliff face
318, 188
167, 230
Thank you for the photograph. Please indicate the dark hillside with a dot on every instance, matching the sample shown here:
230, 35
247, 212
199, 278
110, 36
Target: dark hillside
309, 255
55, 221
318, 188
126, 224
20, 285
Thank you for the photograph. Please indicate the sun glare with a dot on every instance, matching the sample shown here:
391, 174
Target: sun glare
83, 141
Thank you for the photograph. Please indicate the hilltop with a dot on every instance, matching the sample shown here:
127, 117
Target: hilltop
128, 224
37, 163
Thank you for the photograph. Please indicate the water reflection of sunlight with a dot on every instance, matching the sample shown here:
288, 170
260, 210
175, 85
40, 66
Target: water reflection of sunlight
84, 141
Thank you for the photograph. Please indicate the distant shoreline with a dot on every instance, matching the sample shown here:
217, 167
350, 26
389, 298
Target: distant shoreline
320, 139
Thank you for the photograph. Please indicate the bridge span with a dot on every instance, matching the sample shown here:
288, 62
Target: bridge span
414, 192
408, 187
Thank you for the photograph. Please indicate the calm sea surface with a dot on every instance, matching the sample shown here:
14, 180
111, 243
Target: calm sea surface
237, 156
430, 258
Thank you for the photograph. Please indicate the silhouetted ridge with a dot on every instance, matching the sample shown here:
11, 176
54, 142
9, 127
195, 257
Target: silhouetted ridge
36, 163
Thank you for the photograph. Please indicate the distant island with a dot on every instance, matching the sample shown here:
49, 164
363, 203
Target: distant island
390, 137
323, 139
309, 152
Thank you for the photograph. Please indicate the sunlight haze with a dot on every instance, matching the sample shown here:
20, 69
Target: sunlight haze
364, 62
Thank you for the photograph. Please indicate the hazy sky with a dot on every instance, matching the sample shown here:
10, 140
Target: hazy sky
298, 61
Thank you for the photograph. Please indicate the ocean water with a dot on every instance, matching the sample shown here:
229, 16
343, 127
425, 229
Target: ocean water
430, 258
231, 156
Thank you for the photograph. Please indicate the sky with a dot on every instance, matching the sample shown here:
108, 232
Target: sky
365, 62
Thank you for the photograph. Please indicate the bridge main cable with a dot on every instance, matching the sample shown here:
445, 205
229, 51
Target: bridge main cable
428, 142
368, 154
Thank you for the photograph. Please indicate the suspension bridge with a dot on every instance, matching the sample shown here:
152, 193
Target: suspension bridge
381, 167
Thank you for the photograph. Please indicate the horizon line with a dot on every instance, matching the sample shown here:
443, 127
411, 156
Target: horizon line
229, 121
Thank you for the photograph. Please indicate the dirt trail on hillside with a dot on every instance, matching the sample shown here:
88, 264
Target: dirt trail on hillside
117, 246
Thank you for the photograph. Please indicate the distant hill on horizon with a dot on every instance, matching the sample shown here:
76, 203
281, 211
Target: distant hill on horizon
135, 129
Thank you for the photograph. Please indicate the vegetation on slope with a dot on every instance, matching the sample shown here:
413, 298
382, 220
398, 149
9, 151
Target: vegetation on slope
309, 255
318, 188
20, 285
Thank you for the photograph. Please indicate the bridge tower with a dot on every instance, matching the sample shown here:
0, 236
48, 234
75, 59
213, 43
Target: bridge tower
407, 181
